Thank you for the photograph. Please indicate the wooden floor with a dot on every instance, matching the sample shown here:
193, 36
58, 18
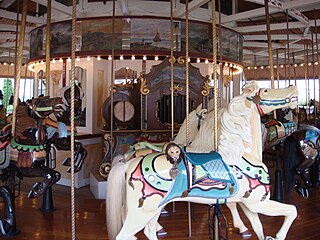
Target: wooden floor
90, 218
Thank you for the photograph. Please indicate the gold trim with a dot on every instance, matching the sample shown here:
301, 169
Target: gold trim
176, 88
181, 60
143, 85
206, 88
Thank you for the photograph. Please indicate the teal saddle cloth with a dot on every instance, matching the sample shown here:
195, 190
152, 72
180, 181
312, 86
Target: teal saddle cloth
219, 182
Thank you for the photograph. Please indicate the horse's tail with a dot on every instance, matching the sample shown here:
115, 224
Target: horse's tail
115, 199
290, 162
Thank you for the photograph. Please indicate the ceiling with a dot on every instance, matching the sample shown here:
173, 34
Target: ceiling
292, 23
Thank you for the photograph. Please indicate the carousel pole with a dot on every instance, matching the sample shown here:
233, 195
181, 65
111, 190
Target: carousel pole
294, 69
277, 194
317, 50
317, 163
48, 33
306, 73
314, 79
72, 125
47, 200
172, 61
187, 100
112, 78
288, 48
19, 63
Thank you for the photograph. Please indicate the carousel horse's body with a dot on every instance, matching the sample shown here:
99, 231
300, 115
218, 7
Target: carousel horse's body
34, 134
144, 185
196, 117
301, 151
58, 127
29, 141
275, 131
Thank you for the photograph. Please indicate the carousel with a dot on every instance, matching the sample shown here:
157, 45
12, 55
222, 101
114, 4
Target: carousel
160, 120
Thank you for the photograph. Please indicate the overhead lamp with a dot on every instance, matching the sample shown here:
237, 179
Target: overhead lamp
60, 60
88, 58
98, 58
144, 58
78, 59
133, 57
156, 58
198, 60
53, 61
206, 61
42, 62
121, 57
109, 58
68, 59
189, 59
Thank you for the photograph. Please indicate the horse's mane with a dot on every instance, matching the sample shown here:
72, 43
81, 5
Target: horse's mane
234, 129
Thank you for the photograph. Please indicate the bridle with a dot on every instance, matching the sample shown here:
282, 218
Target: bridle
258, 101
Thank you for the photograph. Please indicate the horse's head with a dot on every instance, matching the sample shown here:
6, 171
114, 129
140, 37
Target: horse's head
65, 93
268, 100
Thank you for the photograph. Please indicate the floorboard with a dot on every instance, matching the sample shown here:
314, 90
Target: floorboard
90, 218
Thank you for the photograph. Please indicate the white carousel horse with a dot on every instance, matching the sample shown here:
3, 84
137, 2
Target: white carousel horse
196, 117
143, 185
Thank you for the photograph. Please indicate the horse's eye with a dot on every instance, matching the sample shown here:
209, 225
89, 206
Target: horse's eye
266, 90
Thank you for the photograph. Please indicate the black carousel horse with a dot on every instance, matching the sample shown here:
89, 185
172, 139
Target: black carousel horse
58, 127
301, 156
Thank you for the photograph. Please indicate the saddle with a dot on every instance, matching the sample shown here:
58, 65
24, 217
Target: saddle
202, 175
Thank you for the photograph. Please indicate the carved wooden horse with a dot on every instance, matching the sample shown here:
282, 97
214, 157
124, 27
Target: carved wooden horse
58, 126
29, 140
301, 151
233, 174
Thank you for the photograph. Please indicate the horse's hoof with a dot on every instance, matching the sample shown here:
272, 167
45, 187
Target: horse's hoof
246, 234
269, 238
161, 232
67, 162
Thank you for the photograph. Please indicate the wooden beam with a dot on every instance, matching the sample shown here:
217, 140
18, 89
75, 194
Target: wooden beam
181, 12
13, 16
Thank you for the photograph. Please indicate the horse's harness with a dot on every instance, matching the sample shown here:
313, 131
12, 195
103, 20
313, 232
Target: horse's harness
259, 101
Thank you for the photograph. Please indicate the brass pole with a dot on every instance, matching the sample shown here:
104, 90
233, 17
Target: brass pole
112, 77
214, 62
172, 60
19, 63
266, 3
48, 33
317, 47
269, 43
288, 48
187, 100
72, 125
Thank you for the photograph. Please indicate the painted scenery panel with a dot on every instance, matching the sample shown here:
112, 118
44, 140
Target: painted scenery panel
199, 37
150, 34
36, 43
61, 38
97, 35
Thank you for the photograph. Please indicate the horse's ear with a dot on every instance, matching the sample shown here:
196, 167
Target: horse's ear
250, 87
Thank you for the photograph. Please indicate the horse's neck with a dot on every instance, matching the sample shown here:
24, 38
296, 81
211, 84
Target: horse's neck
255, 151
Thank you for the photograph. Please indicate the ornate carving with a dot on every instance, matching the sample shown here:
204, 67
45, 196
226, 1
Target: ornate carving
206, 87
143, 85
176, 88
181, 60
